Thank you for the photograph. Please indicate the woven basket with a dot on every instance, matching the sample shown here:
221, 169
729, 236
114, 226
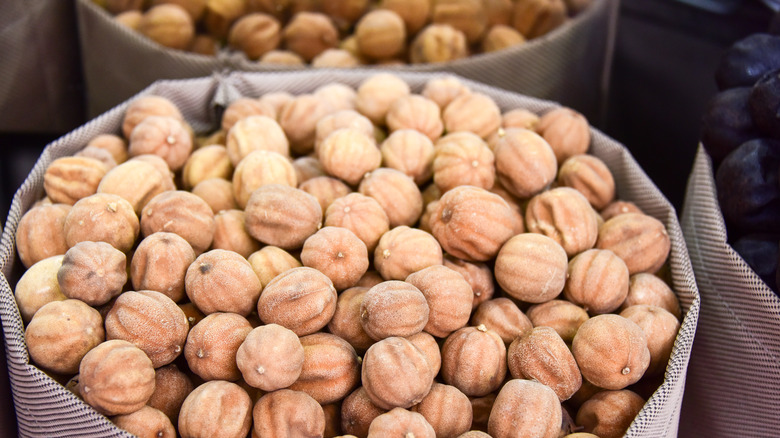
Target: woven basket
734, 376
45, 408
544, 67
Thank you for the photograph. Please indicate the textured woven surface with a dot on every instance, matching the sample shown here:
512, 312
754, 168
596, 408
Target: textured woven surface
46, 408
39, 67
734, 375
569, 65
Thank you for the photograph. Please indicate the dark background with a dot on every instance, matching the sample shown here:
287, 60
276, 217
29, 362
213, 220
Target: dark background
666, 53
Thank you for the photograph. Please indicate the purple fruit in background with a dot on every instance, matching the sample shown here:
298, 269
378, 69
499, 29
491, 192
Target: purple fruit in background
748, 188
761, 252
747, 60
764, 103
727, 123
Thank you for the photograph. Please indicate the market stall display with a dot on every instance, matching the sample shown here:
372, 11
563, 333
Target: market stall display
194, 107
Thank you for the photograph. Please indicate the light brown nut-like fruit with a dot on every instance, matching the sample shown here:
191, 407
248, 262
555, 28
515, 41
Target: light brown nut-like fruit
449, 297
640, 240
381, 34
597, 280
474, 434
338, 253
212, 345
206, 162
528, 406
410, 152
348, 154
357, 413
346, 118
255, 34
145, 106
38, 286
245, 107
501, 37
258, 132
414, 13
300, 299
416, 112
182, 213
502, 316
446, 409
152, 322
40, 233
146, 422
298, 118
567, 132
618, 207
335, 58
101, 155
542, 355
393, 308
216, 409
531, 267
644, 288
287, 413
472, 223
326, 189
346, 320
116, 377
534, 18
102, 217
481, 407
69, 179
444, 90
608, 414
169, 25
477, 274
166, 137
218, 194
220, 15
282, 216
403, 250
426, 343
61, 333
396, 374
463, 158
566, 216
475, 112
270, 261
468, 16
438, 43
611, 351
331, 368
525, 162
112, 143
93, 272
401, 422
661, 329
377, 93
222, 281
563, 316
340, 96
171, 387
473, 359
230, 233
396, 192
260, 168
270, 358
590, 176
282, 58
310, 33
307, 167
160, 262
135, 181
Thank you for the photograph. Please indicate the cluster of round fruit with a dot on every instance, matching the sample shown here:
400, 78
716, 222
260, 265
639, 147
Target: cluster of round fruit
366, 262
741, 133
344, 33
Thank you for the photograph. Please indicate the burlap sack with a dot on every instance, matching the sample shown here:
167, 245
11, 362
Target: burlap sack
40, 74
44, 407
734, 375
570, 65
